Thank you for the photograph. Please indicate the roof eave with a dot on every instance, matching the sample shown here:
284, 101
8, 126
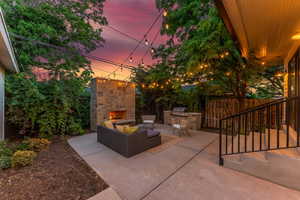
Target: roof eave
12, 65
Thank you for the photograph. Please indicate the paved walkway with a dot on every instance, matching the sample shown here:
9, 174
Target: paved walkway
186, 170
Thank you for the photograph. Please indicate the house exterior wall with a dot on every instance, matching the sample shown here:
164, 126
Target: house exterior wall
2, 73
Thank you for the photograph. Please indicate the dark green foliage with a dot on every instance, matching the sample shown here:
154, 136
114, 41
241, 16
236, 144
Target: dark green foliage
201, 56
5, 162
5, 150
45, 108
59, 105
5, 156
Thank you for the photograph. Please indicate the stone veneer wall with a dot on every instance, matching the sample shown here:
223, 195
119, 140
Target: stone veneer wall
108, 96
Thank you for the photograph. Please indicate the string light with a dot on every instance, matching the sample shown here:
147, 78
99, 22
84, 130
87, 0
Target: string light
152, 50
279, 74
226, 53
143, 64
167, 26
263, 63
165, 13
146, 42
131, 59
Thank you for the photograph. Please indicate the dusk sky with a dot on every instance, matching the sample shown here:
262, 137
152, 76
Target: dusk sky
132, 17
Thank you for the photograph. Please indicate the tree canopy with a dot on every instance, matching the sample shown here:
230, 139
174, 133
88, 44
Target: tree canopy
53, 36
201, 53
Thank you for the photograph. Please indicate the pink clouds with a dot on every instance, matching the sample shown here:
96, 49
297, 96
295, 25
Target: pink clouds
134, 18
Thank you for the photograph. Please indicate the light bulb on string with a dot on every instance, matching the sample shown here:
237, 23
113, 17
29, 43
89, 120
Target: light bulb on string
146, 42
152, 50
165, 13
131, 59
121, 67
167, 26
143, 64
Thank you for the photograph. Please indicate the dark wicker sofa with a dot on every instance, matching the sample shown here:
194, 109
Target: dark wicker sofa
127, 145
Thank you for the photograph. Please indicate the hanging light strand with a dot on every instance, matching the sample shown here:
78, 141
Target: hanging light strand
139, 43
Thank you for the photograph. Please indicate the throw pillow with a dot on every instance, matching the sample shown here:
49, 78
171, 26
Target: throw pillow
109, 124
121, 128
130, 129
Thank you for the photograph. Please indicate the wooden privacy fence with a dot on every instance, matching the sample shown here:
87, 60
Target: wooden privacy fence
219, 108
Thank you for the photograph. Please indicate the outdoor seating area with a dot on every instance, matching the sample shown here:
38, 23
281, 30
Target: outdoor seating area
128, 144
182, 168
150, 100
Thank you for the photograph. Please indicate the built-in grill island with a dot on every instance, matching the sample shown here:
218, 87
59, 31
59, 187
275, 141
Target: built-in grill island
179, 113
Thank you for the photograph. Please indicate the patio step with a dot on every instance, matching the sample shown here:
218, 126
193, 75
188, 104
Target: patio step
278, 166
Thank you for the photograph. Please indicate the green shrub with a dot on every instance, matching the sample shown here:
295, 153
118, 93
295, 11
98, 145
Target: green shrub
5, 150
23, 158
36, 144
5, 162
22, 147
46, 108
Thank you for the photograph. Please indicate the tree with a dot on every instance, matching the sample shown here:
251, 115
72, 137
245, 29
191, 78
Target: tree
199, 43
53, 36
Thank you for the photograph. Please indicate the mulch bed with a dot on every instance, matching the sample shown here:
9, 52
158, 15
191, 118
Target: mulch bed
58, 173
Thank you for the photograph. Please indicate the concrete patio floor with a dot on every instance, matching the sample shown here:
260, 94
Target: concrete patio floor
186, 170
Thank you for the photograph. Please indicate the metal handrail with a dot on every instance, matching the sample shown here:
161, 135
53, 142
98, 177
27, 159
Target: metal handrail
261, 121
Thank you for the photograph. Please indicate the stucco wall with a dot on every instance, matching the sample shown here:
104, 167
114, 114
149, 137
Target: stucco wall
1, 103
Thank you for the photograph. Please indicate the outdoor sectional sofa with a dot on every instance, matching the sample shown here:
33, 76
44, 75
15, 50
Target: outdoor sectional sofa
128, 144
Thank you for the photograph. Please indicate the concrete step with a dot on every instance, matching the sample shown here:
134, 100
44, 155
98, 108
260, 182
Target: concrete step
261, 156
278, 166
247, 163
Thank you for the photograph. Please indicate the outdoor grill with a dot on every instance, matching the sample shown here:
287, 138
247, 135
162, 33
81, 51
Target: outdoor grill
178, 114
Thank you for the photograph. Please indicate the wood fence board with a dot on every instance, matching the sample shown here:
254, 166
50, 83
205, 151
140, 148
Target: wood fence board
220, 108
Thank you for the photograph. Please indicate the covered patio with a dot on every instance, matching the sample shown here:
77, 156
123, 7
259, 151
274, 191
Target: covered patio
185, 169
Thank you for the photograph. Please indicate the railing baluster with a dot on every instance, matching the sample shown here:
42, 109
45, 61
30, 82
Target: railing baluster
239, 134
260, 129
297, 101
232, 137
220, 144
269, 124
277, 125
245, 128
253, 129
287, 118
226, 139
287, 129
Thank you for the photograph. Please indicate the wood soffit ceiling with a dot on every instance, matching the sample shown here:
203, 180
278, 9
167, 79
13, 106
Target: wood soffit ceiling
263, 27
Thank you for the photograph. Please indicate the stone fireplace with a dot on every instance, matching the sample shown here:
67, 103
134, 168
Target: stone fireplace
117, 115
111, 100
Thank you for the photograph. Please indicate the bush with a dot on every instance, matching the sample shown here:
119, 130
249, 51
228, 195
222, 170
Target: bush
36, 144
45, 109
5, 150
5, 162
23, 158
